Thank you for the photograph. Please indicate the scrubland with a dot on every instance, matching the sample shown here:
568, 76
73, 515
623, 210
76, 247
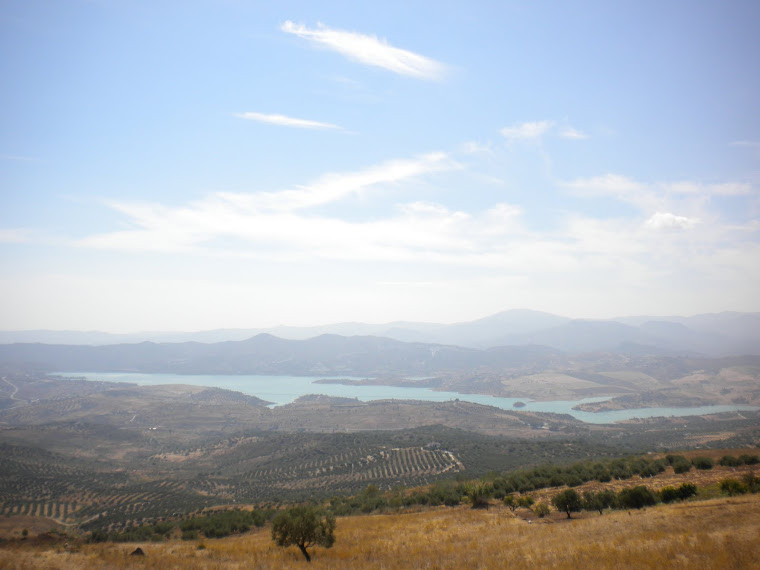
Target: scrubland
718, 533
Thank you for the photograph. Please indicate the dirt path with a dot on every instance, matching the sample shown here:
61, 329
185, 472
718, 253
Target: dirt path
15, 390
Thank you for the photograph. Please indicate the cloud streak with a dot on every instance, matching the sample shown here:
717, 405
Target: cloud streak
369, 50
285, 121
571, 133
337, 186
527, 131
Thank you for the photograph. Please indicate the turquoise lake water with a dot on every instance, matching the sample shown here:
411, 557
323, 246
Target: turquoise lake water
284, 389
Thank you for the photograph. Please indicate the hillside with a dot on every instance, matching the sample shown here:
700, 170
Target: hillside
719, 533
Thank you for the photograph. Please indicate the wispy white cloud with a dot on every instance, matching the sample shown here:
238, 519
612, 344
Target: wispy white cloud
14, 235
336, 186
612, 185
571, 133
527, 131
655, 197
265, 218
474, 147
694, 188
668, 221
286, 121
369, 50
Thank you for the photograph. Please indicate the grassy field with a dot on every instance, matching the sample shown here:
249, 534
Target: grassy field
719, 533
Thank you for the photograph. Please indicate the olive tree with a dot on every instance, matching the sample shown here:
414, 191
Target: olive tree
569, 501
304, 527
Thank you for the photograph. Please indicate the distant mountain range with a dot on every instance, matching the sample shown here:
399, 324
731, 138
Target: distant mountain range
714, 335
266, 354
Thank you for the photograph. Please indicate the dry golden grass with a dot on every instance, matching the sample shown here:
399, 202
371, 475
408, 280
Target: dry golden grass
720, 533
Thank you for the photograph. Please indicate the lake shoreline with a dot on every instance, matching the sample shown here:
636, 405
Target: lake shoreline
286, 389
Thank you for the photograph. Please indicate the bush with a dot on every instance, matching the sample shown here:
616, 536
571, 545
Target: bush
682, 466
669, 495
636, 497
749, 459
703, 462
541, 509
478, 494
729, 461
732, 487
752, 482
526, 501
687, 490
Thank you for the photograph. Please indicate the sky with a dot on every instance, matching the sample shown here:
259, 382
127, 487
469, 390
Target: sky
193, 165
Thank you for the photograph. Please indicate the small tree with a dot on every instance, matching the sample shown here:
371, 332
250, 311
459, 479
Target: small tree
304, 527
687, 490
525, 501
636, 497
598, 501
669, 494
732, 487
478, 494
541, 509
703, 462
568, 501
510, 502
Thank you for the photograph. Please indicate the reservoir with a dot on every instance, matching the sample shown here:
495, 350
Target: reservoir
282, 390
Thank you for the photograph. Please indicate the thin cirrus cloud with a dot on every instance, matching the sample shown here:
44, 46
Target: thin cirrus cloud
285, 121
332, 187
418, 232
527, 131
369, 50
265, 217
571, 133
13, 235
534, 130
649, 194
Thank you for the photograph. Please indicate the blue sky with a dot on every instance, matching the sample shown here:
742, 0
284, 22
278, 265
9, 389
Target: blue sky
198, 165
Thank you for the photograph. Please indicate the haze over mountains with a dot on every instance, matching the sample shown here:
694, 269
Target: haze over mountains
401, 347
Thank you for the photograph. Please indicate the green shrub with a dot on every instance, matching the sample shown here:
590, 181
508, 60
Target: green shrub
703, 463
682, 466
478, 494
541, 509
636, 497
525, 501
669, 495
729, 461
752, 482
733, 487
687, 490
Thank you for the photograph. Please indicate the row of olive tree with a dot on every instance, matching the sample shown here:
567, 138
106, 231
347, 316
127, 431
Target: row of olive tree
570, 501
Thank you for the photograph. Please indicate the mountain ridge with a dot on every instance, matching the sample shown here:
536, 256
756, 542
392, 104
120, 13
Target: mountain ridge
711, 334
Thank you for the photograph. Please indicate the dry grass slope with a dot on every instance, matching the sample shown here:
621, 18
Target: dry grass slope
720, 533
